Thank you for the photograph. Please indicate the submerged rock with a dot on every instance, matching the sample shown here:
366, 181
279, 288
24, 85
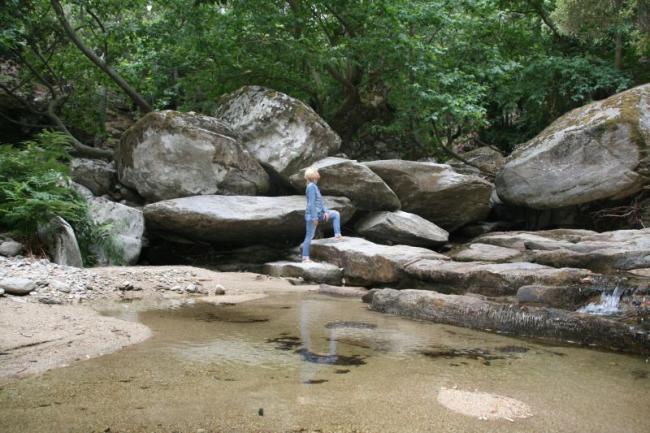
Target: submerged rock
592, 153
168, 154
436, 192
541, 323
237, 220
491, 279
401, 228
309, 271
280, 131
367, 263
348, 178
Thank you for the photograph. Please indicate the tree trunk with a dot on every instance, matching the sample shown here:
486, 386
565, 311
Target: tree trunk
72, 35
618, 50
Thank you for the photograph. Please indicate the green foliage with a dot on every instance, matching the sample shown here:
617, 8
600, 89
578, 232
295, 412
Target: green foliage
34, 188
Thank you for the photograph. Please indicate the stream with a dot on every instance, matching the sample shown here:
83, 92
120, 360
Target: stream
307, 362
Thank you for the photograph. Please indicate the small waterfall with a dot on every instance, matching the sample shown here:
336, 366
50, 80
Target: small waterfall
608, 304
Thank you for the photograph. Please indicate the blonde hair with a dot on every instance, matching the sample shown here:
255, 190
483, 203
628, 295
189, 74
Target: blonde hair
311, 173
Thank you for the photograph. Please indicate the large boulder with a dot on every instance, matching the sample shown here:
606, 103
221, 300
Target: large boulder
540, 323
168, 154
366, 263
436, 192
491, 279
61, 242
280, 131
125, 227
592, 153
348, 178
96, 175
401, 228
237, 220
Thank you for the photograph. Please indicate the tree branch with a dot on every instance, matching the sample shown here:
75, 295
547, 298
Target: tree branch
135, 97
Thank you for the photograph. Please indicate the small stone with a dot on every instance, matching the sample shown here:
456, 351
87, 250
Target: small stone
260, 412
10, 248
60, 286
50, 301
2, 292
219, 290
17, 286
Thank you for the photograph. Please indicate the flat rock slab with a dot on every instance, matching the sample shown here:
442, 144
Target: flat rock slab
602, 252
540, 323
237, 220
401, 228
351, 179
310, 271
486, 253
491, 279
17, 286
349, 292
367, 263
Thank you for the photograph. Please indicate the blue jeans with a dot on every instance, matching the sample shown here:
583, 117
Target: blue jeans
310, 231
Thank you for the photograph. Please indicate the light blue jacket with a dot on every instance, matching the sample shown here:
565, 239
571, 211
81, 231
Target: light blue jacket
315, 207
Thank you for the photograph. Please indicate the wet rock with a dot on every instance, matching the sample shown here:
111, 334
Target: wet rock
309, 271
401, 228
487, 253
168, 154
367, 298
237, 220
565, 297
96, 175
367, 263
348, 178
10, 248
602, 145
436, 192
125, 227
541, 323
350, 325
17, 286
491, 279
61, 242
281, 132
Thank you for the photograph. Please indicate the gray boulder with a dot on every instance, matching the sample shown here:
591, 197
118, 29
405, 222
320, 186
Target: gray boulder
491, 279
280, 131
401, 228
592, 153
348, 178
237, 220
310, 271
96, 175
541, 323
436, 192
10, 248
60, 242
17, 286
168, 154
125, 227
488, 160
366, 263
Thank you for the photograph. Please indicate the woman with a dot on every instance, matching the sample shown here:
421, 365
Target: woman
316, 212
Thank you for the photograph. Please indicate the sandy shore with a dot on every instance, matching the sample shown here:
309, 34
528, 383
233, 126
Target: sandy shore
38, 336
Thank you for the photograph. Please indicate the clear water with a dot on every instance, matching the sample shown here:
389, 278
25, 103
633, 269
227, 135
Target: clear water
608, 305
307, 363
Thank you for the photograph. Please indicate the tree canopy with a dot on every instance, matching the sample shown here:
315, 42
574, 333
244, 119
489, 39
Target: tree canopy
425, 77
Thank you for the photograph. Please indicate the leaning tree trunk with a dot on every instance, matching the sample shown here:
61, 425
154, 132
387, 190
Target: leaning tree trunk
72, 35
